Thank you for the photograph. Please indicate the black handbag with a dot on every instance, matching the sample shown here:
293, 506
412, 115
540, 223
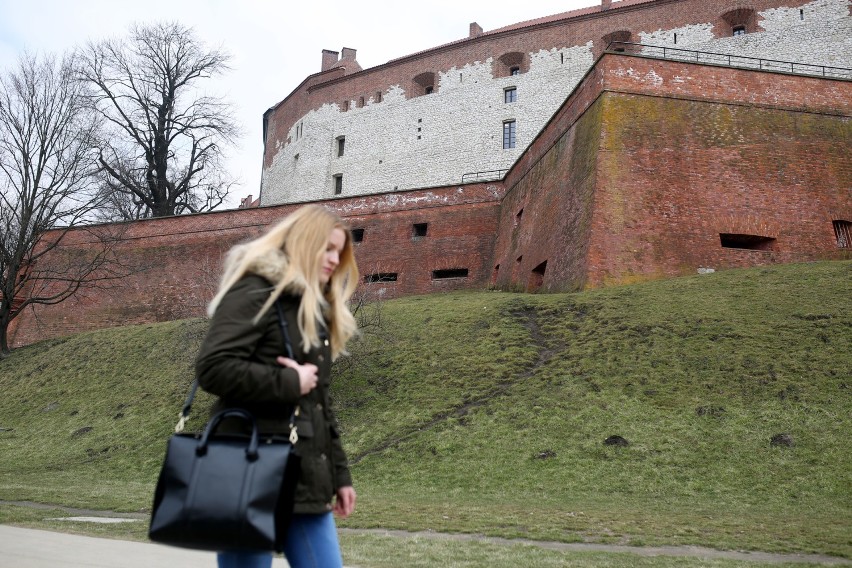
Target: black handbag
226, 491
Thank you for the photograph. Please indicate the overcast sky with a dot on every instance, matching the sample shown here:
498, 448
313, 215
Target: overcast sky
274, 44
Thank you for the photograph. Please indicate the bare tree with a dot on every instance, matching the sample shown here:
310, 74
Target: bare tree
162, 152
47, 163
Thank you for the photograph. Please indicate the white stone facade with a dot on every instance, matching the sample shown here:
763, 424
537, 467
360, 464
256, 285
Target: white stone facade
433, 140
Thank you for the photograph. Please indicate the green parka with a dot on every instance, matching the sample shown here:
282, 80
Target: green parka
237, 362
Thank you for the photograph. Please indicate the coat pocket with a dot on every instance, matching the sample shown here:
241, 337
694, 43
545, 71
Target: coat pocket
304, 427
315, 482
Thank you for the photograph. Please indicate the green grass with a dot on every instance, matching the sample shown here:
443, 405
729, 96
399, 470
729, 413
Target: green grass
486, 413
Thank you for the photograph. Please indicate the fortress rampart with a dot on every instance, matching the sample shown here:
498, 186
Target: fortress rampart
655, 165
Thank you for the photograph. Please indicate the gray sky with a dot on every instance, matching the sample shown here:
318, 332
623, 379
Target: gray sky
274, 44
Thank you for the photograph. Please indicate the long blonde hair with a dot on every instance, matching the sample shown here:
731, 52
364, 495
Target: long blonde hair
296, 245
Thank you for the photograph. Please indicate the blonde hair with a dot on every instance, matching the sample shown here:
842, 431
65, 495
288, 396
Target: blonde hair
296, 245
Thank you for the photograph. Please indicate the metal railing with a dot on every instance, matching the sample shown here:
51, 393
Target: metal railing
490, 175
729, 60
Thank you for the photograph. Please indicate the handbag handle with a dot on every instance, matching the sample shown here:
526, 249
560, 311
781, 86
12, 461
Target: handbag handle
251, 450
183, 417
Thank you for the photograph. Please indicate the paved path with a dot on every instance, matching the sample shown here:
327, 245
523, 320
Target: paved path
30, 548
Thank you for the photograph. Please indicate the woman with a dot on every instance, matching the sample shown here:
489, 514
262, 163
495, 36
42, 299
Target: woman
307, 265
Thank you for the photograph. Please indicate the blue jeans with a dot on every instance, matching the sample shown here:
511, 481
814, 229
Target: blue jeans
311, 543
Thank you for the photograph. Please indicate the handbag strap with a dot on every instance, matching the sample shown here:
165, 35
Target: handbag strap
183, 417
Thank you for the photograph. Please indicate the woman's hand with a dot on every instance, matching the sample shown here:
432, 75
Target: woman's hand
307, 374
344, 505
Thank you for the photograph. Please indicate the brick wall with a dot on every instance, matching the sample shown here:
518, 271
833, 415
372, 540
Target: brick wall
634, 177
177, 260
650, 161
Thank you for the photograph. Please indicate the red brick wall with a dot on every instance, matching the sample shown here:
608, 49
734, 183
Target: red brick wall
648, 161
180, 257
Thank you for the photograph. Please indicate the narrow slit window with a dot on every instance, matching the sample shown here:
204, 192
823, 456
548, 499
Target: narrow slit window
420, 229
380, 277
357, 235
843, 233
338, 184
518, 217
449, 273
378, 96
747, 242
341, 144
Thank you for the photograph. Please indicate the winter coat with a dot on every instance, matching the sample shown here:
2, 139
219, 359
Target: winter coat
237, 362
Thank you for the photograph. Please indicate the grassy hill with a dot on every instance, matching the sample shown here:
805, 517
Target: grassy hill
488, 412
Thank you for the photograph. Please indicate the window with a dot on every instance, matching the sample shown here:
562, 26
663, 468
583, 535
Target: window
748, 242
378, 96
380, 277
510, 94
420, 229
843, 233
341, 143
360, 102
518, 216
338, 184
537, 277
512, 63
449, 273
345, 105
740, 20
357, 235
508, 134
424, 84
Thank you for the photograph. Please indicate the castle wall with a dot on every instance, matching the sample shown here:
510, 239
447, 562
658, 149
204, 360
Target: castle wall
176, 261
400, 138
641, 173
656, 160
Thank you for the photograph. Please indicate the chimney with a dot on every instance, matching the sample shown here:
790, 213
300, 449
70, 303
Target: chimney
348, 53
605, 4
329, 58
475, 29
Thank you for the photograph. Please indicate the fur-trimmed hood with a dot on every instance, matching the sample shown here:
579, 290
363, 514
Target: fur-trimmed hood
272, 265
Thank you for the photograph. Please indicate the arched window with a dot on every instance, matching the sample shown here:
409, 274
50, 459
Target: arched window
424, 84
513, 63
738, 22
616, 41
